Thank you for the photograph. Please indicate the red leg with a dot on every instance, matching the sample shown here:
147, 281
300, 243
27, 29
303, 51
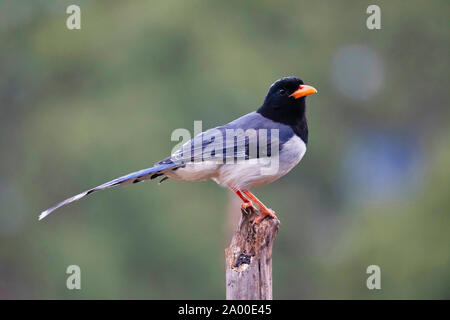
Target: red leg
247, 203
264, 210
241, 196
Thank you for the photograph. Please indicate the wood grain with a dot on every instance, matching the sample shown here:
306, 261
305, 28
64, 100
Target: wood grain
249, 259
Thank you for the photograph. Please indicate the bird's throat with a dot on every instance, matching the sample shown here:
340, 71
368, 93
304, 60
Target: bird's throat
293, 117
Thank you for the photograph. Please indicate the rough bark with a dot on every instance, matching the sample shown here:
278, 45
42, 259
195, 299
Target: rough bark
249, 259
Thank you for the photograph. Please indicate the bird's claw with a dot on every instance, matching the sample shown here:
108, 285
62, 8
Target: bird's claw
248, 208
267, 213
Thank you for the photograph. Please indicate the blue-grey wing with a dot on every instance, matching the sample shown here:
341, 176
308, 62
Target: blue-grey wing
248, 137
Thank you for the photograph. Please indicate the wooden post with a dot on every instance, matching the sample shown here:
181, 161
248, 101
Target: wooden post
249, 259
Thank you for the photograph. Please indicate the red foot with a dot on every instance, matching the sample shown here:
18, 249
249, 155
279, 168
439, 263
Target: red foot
248, 207
264, 214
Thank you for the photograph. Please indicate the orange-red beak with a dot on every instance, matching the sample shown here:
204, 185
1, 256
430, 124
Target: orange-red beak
303, 91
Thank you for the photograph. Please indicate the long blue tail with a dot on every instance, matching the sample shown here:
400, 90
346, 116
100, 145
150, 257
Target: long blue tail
134, 177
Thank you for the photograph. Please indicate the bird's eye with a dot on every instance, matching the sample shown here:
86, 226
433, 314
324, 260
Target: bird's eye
282, 92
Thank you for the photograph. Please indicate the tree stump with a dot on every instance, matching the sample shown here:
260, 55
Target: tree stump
249, 259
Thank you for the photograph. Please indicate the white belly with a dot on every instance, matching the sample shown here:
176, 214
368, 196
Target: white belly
247, 175
195, 171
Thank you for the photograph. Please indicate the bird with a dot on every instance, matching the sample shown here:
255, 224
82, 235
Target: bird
226, 154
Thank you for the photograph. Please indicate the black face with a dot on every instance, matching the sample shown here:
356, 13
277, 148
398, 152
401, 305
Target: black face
279, 106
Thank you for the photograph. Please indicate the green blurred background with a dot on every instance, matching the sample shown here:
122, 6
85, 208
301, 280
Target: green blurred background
78, 108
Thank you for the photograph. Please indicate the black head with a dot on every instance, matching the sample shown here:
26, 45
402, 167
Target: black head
285, 101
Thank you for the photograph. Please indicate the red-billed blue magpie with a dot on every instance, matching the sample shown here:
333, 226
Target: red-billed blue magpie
226, 154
